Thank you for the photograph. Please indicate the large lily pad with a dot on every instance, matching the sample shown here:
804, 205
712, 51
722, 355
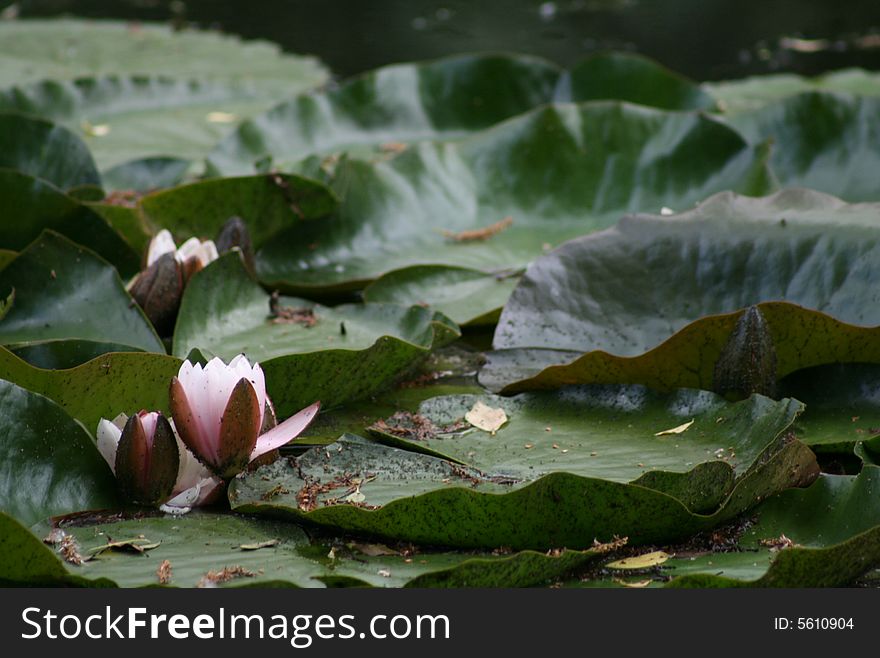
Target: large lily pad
420, 498
65, 49
48, 464
43, 150
608, 432
443, 99
31, 205
267, 553
113, 383
843, 405
834, 526
824, 141
494, 200
329, 354
464, 295
63, 291
265, 203
736, 96
693, 272
126, 118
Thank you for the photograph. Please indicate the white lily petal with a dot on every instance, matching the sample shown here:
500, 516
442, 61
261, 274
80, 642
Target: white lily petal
108, 441
149, 420
161, 244
189, 248
208, 253
190, 472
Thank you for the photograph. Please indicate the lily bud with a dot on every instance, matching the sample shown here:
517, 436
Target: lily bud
235, 234
158, 291
219, 412
147, 459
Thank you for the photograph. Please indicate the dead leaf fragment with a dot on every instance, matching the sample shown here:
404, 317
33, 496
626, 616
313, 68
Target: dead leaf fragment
676, 430
643, 561
136, 545
224, 575
258, 545
372, 550
480, 233
486, 418
163, 573
633, 583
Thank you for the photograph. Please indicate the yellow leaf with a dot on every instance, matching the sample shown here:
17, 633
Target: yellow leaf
676, 430
633, 583
486, 418
640, 561
221, 117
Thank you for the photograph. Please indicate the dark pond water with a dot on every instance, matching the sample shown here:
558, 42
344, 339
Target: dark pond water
706, 39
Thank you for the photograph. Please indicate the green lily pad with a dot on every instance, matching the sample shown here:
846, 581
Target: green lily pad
608, 432
308, 352
494, 200
201, 542
695, 270
466, 296
834, 525
146, 174
265, 203
440, 100
843, 405
31, 205
415, 497
49, 464
101, 388
44, 150
637, 79
66, 49
824, 141
128, 118
63, 354
751, 93
63, 291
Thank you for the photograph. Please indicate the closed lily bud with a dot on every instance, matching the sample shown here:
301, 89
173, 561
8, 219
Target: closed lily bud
158, 291
147, 459
194, 484
235, 234
219, 413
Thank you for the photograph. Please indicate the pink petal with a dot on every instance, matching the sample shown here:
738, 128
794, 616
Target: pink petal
188, 427
285, 432
148, 420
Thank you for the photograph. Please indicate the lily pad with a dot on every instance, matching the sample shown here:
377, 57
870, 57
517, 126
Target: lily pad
128, 118
66, 49
63, 354
637, 79
44, 150
205, 549
466, 296
494, 200
607, 432
31, 205
265, 203
63, 291
49, 464
101, 388
751, 93
146, 174
695, 270
308, 352
386, 109
832, 530
824, 141
420, 498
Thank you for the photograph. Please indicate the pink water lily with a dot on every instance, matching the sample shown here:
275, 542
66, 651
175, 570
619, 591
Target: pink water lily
193, 485
219, 412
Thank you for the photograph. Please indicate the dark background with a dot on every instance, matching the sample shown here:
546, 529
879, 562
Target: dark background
705, 39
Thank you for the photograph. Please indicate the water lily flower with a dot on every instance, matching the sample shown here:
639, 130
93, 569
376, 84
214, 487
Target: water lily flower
219, 412
203, 252
191, 485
